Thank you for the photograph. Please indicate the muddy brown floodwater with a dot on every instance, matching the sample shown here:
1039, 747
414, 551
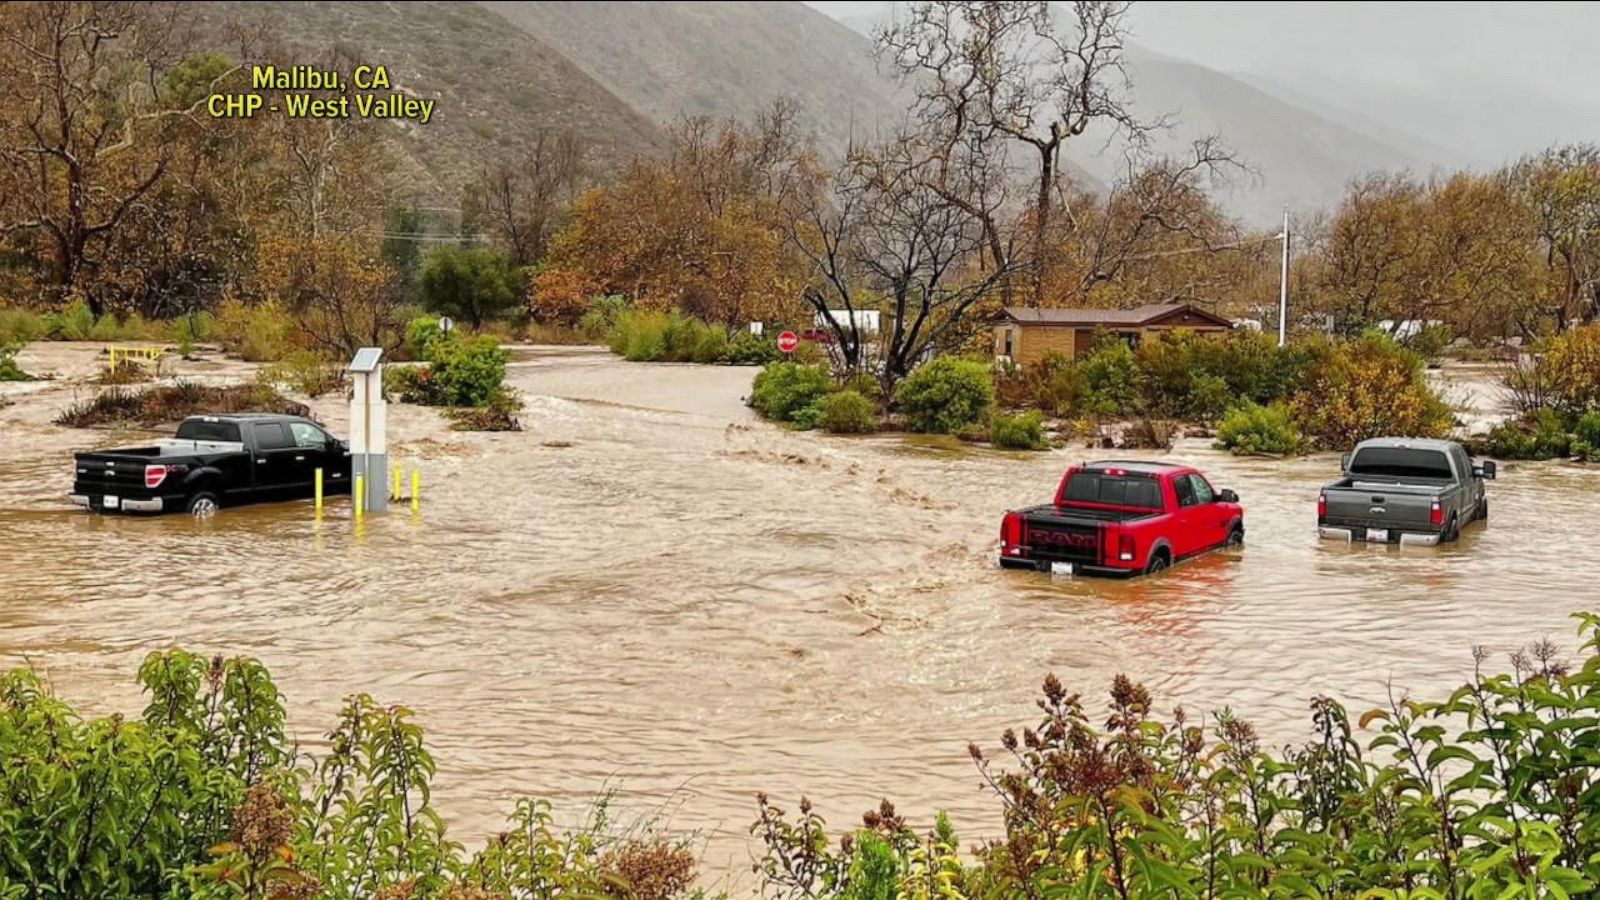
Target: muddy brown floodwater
651, 590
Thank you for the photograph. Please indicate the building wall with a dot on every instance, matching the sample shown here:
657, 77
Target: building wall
1030, 343
1033, 342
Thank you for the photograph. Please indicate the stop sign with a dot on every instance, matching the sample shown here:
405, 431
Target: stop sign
788, 341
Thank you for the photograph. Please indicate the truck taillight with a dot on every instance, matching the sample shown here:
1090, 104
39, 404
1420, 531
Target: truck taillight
154, 475
1436, 512
1125, 547
1011, 532
1322, 506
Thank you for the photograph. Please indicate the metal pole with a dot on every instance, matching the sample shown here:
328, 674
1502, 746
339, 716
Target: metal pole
1283, 285
319, 491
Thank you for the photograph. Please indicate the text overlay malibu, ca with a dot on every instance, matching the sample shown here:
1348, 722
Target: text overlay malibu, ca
309, 92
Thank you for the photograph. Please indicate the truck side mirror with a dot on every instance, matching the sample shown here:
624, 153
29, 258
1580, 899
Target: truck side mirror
1487, 469
1227, 496
1344, 462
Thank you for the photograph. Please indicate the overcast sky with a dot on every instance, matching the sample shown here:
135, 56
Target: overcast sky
1495, 79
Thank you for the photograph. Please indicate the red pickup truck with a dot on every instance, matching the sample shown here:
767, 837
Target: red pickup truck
1122, 518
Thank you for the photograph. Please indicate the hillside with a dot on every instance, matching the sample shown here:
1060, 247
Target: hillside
495, 86
1297, 157
674, 59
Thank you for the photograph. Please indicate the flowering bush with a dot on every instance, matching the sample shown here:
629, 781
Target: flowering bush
1489, 792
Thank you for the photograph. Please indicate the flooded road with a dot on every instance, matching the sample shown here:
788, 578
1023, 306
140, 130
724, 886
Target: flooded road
651, 590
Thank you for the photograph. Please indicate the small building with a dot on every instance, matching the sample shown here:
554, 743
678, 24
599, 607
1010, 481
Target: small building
866, 320
1025, 335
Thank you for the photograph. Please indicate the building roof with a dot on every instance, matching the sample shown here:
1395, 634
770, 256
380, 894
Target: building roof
1141, 315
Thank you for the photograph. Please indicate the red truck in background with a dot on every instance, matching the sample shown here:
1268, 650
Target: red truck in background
1122, 518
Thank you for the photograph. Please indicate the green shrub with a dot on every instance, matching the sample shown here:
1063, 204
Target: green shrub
1251, 428
1431, 340
192, 329
305, 372
1055, 384
9, 370
789, 392
410, 384
946, 395
472, 284
746, 349
21, 326
847, 412
205, 795
712, 346
1024, 431
75, 323
1365, 388
498, 414
1508, 440
466, 371
1111, 378
1551, 437
421, 333
1587, 428
255, 333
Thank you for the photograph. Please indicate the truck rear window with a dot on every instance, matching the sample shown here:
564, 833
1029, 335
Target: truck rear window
1118, 490
201, 430
1400, 462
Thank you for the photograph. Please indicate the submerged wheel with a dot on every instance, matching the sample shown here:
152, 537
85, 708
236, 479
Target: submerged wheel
1482, 515
1452, 531
203, 504
1236, 537
1158, 561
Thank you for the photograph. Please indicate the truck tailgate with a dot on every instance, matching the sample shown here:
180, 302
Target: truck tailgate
1397, 507
1060, 534
118, 473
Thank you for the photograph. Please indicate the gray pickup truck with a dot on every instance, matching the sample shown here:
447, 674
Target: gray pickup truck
1404, 491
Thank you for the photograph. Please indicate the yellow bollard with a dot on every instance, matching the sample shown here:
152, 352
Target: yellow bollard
416, 489
319, 491
394, 489
360, 496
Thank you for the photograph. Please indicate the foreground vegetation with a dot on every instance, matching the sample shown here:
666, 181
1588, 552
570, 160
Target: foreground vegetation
1491, 791
203, 795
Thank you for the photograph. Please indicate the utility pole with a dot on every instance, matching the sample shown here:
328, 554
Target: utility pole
1283, 285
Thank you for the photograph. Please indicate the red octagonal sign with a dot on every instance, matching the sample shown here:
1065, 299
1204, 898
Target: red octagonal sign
788, 341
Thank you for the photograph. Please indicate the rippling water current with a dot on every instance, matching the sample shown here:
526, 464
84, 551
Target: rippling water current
650, 590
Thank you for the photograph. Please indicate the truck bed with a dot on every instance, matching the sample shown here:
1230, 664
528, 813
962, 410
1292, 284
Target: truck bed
165, 448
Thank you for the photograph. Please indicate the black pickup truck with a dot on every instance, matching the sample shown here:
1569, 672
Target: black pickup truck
214, 461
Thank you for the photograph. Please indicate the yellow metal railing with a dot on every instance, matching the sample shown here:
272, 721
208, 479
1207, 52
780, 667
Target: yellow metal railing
124, 352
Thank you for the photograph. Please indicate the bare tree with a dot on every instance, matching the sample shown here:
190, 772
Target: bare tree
885, 239
80, 78
523, 197
989, 73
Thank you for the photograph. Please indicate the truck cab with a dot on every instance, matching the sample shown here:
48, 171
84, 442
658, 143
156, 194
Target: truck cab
1122, 518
